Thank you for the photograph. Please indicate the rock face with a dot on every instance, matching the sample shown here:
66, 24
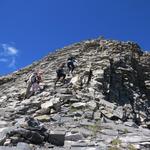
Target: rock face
105, 104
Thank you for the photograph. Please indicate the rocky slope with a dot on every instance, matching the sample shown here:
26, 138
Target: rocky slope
106, 105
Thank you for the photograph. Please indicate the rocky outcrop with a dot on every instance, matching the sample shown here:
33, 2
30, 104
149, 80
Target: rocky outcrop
105, 104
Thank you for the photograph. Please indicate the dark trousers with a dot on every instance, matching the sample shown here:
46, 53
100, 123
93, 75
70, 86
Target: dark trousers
70, 66
60, 75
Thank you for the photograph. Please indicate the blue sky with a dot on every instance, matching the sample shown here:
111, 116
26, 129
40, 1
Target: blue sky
30, 29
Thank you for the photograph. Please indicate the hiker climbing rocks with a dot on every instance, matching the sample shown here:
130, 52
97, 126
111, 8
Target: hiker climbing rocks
71, 63
90, 74
33, 84
60, 73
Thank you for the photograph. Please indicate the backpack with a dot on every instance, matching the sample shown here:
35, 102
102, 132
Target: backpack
33, 79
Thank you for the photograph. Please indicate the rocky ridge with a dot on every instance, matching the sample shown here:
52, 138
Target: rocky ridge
108, 108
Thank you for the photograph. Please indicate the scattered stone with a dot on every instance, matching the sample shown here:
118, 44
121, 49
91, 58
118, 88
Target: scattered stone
109, 132
23, 146
73, 137
43, 118
79, 105
89, 115
91, 105
97, 115
118, 112
7, 142
130, 124
3, 124
85, 122
57, 138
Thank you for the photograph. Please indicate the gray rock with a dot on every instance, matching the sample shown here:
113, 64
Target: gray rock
118, 112
9, 148
3, 134
73, 137
130, 124
65, 97
23, 146
89, 115
102, 145
109, 132
134, 139
63, 91
86, 122
56, 117
3, 98
145, 145
57, 138
3, 124
91, 105
78, 105
85, 148
43, 118
86, 133
32, 136
97, 115
7, 142
74, 100
67, 120
78, 113
50, 103
107, 104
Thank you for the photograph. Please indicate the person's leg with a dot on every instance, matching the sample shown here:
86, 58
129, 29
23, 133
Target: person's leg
64, 76
28, 90
57, 79
69, 66
36, 88
72, 67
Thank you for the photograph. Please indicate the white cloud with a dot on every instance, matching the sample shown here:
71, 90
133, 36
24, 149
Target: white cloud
3, 60
12, 50
9, 50
8, 54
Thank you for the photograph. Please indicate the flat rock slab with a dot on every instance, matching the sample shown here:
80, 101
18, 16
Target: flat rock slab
85, 148
50, 103
9, 148
109, 132
78, 105
85, 122
3, 124
73, 137
135, 139
23, 146
15, 147
43, 118
57, 138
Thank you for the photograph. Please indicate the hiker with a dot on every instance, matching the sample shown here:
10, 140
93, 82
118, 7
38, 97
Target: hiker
71, 63
33, 84
60, 73
90, 74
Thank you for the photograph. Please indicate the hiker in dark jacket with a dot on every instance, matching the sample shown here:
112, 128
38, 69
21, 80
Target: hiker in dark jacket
70, 63
60, 73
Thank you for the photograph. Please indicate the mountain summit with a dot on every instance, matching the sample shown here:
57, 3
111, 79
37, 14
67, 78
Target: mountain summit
104, 105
